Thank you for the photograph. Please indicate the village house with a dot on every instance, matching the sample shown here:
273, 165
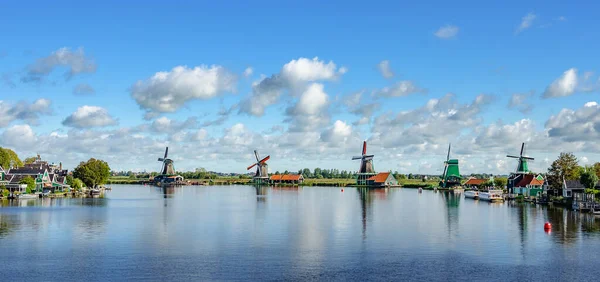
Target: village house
286, 179
528, 185
382, 179
474, 183
575, 191
47, 177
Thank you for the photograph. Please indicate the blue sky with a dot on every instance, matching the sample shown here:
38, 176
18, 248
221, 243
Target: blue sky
467, 48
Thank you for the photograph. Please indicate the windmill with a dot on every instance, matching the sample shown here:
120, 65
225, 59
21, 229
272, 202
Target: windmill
451, 175
167, 167
366, 169
522, 166
262, 172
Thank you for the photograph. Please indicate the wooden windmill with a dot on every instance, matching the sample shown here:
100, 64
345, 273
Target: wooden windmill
451, 176
262, 171
167, 167
366, 169
522, 166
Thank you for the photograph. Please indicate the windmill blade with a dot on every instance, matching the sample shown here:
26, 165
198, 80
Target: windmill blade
259, 171
368, 158
265, 159
357, 157
166, 152
448, 157
511, 156
364, 150
528, 158
161, 159
522, 148
251, 166
256, 155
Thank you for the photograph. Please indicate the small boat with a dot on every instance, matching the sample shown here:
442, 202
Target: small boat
473, 194
95, 191
27, 196
420, 190
491, 195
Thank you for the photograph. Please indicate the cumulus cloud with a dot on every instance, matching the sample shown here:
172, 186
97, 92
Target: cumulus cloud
248, 72
520, 102
293, 77
385, 69
169, 91
401, 89
339, 132
24, 111
447, 32
83, 89
166, 125
18, 136
89, 116
526, 22
310, 111
74, 60
570, 125
432, 123
562, 86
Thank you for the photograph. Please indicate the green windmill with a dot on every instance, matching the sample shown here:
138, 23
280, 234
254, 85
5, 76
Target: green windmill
522, 166
451, 176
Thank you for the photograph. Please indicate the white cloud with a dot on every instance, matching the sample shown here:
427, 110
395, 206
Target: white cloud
447, 32
520, 101
293, 78
562, 86
89, 116
18, 136
578, 125
339, 132
169, 91
310, 111
166, 125
385, 69
75, 61
526, 22
401, 89
83, 89
561, 18
248, 72
24, 111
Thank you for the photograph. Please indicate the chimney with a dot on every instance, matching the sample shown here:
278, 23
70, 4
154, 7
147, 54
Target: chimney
60, 166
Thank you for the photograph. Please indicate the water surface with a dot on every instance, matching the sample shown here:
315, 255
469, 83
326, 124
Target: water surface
313, 233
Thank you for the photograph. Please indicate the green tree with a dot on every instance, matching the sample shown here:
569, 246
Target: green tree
500, 182
588, 178
30, 183
597, 169
76, 184
93, 172
29, 160
9, 158
565, 167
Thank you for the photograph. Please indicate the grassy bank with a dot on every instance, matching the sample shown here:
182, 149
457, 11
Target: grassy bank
407, 183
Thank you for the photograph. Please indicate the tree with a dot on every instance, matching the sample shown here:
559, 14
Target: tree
597, 169
93, 172
500, 182
30, 183
8, 158
565, 167
76, 184
588, 178
29, 160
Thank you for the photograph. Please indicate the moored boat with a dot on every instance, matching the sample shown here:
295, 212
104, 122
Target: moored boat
491, 195
473, 194
27, 196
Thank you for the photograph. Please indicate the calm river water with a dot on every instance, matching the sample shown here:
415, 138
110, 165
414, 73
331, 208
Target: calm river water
313, 233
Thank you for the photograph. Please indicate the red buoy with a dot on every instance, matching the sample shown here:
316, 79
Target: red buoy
547, 226
342, 189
